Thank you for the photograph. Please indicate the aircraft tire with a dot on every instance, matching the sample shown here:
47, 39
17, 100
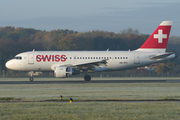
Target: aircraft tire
31, 79
87, 78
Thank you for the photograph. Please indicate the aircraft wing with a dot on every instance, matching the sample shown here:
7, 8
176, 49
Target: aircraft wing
90, 65
161, 56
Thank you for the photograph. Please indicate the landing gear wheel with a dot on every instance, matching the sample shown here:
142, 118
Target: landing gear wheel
87, 78
31, 79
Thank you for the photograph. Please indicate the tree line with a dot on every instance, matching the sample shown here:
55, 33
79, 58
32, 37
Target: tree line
16, 40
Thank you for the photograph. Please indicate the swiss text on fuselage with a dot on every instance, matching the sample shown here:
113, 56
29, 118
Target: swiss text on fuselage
48, 58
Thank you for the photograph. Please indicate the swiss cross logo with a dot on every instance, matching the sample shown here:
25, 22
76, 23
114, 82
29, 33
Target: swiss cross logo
160, 36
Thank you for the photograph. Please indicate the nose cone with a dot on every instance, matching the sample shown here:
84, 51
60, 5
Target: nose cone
8, 65
14, 64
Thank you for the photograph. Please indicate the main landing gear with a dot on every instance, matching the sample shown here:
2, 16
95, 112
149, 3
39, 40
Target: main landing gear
87, 78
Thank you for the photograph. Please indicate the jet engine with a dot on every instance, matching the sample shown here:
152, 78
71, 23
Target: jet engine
65, 71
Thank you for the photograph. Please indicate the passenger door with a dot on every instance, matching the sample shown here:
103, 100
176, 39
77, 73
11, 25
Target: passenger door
136, 58
31, 58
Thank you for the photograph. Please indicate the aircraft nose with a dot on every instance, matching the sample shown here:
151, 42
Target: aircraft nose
8, 64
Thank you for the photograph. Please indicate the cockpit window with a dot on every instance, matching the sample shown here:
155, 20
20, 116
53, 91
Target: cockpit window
18, 57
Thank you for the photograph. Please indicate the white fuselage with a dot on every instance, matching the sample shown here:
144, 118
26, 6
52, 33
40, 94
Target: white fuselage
68, 63
47, 60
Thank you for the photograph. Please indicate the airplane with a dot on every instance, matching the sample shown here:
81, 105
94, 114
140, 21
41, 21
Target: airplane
68, 63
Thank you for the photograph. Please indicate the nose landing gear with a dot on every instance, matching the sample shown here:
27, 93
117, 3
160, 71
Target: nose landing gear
31, 78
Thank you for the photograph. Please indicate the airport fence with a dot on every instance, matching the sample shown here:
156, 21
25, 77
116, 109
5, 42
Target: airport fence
125, 73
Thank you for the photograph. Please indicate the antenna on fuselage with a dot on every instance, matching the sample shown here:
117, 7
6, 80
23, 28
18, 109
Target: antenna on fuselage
33, 50
108, 49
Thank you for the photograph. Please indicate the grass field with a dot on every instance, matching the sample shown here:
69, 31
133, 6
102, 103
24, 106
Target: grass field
90, 111
89, 91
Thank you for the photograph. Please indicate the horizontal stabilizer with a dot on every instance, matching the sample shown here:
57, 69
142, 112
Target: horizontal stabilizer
161, 56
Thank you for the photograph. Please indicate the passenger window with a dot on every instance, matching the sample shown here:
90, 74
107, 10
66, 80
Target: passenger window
74, 57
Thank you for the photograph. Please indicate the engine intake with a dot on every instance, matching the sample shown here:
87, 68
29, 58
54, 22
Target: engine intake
65, 71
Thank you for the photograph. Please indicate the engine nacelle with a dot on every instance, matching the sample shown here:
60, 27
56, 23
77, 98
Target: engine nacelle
65, 71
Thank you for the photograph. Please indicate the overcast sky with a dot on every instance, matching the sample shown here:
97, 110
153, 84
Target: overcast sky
88, 15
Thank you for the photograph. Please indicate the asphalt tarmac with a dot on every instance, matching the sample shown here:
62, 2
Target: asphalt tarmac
86, 82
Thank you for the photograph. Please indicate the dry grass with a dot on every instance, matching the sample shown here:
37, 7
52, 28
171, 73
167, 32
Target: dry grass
91, 111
